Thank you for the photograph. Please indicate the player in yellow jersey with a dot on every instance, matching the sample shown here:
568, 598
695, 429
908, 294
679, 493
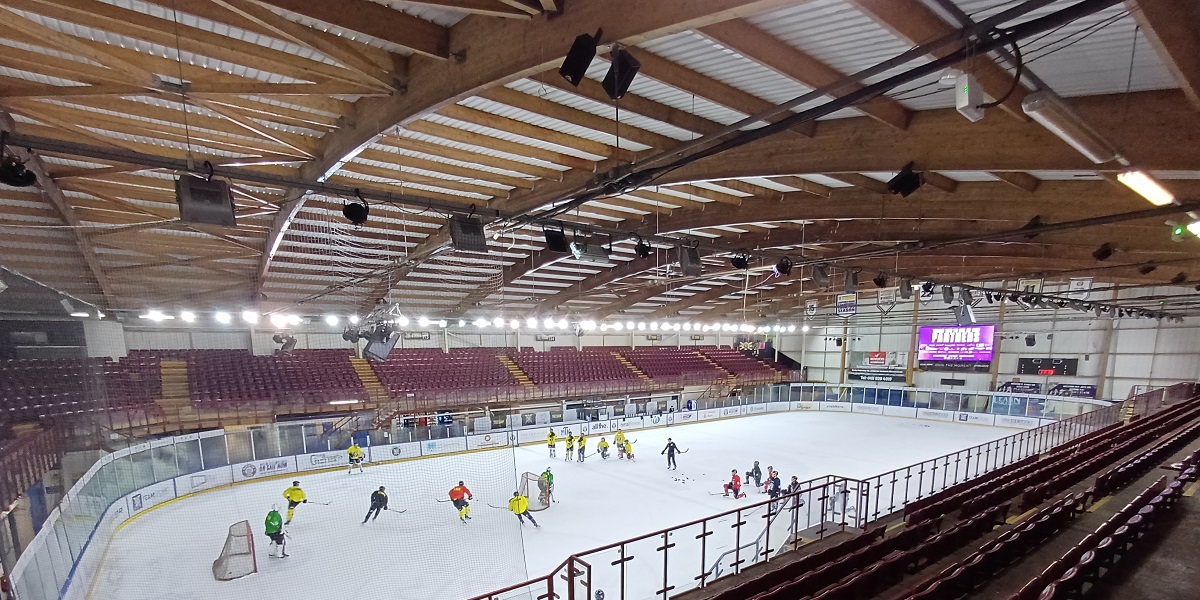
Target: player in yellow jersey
551, 439
355, 454
295, 497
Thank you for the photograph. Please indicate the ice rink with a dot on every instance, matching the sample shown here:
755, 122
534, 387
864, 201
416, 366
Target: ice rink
427, 554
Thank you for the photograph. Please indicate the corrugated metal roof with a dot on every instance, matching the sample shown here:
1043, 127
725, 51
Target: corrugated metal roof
596, 108
38, 77
449, 161
404, 133
646, 86
552, 124
970, 175
512, 137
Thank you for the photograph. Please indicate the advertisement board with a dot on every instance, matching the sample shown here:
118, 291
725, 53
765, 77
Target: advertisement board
204, 480
870, 409
151, 496
322, 460
394, 451
263, 468
935, 415
836, 406
1021, 422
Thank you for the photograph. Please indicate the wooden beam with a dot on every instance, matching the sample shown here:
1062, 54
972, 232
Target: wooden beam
463, 136
915, 23
377, 21
941, 140
940, 181
58, 200
1171, 26
450, 152
860, 181
509, 274
337, 48
692, 82
594, 90
490, 57
574, 116
479, 117
754, 43
487, 8
1019, 179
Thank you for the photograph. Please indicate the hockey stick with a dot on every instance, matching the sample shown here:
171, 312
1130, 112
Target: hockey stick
684, 451
399, 512
443, 500
321, 503
498, 507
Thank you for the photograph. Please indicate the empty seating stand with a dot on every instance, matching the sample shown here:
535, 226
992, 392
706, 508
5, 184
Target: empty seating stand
740, 364
414, 370
668, 363
566, 365
33, 389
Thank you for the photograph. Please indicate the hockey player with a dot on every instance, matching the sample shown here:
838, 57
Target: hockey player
295, 497
773, 485
378, 503
735, 485
519, 505
546, 487
570, 445
619, 440
628, 449
602, 448
551, 439
771, 472
275, 532
670, 451
355, 454
459, 494
754, 473
582, 441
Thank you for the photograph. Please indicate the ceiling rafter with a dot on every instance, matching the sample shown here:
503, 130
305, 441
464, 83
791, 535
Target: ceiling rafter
1171, 28
913, 22
376, 20
760, 46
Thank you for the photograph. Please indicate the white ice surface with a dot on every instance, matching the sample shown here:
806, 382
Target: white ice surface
427, 554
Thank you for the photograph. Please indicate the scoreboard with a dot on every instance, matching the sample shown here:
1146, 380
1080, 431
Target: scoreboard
1047, 366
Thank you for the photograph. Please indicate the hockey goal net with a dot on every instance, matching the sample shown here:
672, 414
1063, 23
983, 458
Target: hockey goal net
237, 558
537, 490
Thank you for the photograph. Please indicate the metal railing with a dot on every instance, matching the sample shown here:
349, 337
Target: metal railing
24, 461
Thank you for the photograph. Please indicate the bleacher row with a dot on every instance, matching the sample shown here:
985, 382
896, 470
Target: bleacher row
871, 564
33, 389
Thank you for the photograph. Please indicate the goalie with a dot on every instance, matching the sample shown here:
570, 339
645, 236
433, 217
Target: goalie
545, 487
274, 531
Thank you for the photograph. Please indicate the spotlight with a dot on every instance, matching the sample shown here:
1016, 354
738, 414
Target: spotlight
880, 280
462, 323
482, 322
356, 212
223, 318
188, 316
620, 75
350, 334
250, 316
353, 319
906, 288
556, 241
548, 323
948, 294
579, 57
783, 267
740, 261
531, 322
514, 324
279, 321
331, 320
927, 287
990, 298
966, 297
1030, 340
13, 173
805, 328
821, 276
1014, 297
1104, 252
1146, 269
851, 282
905, 182
498, 322
642, 249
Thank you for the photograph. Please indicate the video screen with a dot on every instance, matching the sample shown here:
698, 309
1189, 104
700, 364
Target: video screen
957, 344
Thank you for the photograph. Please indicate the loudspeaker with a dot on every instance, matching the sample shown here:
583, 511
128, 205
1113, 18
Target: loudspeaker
689, 260
466, 234
620, 75
579, 58
378, 347
204, 201
964, 315
556, 241
906, 288
1030, 340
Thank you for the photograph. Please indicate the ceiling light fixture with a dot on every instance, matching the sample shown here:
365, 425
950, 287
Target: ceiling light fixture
1146, 187
223, 318
740, 261
187, 316
783, 267
1048, 110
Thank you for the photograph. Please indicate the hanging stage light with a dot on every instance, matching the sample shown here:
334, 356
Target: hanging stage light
947, 294
851, 282
642, 249
966, 297
1146, 269
740, 261
783, 267
556, 241
906, 288
905, 182
579, 58
1104, 252
880, 280
927, 288
356, 212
